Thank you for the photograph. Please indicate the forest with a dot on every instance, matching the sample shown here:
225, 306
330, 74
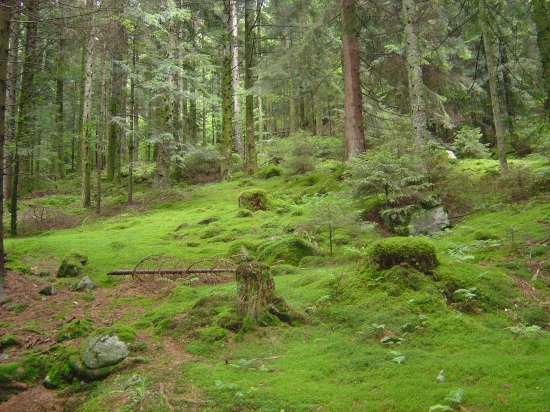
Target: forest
275, 205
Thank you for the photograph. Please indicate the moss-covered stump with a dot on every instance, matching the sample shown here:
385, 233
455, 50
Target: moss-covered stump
72, 264
255, 199
290, 251
417, 252
257, 302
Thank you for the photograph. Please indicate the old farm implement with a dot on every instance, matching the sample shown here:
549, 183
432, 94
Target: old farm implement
163, 272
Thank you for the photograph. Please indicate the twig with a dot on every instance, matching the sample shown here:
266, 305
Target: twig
161, 391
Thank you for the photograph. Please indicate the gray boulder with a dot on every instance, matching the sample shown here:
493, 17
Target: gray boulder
429, 221
85, 284
99, 352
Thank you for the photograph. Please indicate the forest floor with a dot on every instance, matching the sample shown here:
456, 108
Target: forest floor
36, 327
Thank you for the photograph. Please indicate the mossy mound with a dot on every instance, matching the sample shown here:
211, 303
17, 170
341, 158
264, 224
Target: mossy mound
72, 264
270, 171
75, 329
290, 251
242, 249
416, 252
255, 199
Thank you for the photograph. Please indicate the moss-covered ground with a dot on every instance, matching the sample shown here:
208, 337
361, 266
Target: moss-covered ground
470, 335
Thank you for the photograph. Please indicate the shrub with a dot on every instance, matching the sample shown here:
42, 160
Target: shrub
290, 251
416, 252
467, 144
255, 199
195, 162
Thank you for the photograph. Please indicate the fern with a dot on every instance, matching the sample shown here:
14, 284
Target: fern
455, 396
524, 330
165, 280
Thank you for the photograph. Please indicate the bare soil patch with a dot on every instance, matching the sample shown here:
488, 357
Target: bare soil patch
35, 329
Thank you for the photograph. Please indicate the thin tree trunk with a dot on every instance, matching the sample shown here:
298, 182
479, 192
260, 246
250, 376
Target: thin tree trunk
5, 17
13, 75
493, 86
249, 39
23, 126
235, 79
354, 138
227, 95
99, 161
132, 130
87, 116
291, 103
541, 11
115, 110
57, 143
414, 71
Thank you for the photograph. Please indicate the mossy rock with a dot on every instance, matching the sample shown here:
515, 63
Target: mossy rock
290, 251
416, 252
7, 341
72, 264
255, 199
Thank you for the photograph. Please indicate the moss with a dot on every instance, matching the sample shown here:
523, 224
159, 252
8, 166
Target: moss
212, 334
72, 264
9, 371
290, 251
7, 341
75, 329
181, 294
244, 213
255, 199
124, 333
416, 252
240, 248
17, 307
270, 171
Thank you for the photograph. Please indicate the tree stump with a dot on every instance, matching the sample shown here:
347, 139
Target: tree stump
257, 301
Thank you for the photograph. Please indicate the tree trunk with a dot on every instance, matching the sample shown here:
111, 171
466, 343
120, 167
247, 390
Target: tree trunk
414, 71
115, 110
291, 103
87, 116
493, 86
235, 78
249, 40
227, 96
99, 161
23, 126
58, 166
354, 137
11, 106
5, 17
257, 302
131, 146
541, 12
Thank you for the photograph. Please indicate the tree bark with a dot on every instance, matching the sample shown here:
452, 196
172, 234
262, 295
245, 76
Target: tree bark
115, 110
291, 102
227, 96
257, 302
100, 131
541, 12
24, 126
249, 45
58, 164
5, 17
354, 137
235, 78
86, 135
414, 72
11, 109
493, 86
